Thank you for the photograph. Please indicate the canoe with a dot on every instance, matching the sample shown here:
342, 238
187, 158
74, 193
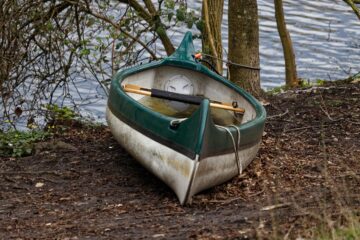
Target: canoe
191, 146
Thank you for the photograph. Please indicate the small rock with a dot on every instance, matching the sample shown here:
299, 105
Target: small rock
39, 185
158, 235
356, 80
65, 199
265, 103
334, 138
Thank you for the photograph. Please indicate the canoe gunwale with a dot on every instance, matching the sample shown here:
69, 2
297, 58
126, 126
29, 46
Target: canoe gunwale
198, 67
200, 139
258, 121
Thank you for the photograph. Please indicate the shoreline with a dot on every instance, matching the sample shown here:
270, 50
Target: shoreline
83, 184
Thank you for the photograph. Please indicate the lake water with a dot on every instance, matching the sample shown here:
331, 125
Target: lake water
325, 34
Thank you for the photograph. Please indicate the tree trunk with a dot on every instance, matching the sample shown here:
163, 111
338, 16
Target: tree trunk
244, 44
212, 12
290, 65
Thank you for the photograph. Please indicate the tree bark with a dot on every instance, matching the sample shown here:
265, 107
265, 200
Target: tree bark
290, 64
212, 12
244, 44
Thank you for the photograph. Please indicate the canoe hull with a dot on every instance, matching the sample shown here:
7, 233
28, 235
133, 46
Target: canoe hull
184, 175
190, 149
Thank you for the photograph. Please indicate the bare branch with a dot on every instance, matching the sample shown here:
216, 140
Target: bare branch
152, 21
118, 27
139, 9
352, 3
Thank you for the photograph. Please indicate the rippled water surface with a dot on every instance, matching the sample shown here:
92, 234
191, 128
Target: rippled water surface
325, 34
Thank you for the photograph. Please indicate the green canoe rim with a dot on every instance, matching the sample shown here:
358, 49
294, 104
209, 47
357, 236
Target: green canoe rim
182, 58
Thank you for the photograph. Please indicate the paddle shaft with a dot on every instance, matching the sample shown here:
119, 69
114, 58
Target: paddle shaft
196, 100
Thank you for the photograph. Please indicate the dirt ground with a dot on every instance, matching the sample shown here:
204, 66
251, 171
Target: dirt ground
83, 185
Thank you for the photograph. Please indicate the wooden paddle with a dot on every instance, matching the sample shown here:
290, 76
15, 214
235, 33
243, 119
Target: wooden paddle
179, 97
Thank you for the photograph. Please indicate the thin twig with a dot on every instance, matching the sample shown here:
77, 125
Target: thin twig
118, 27
300, 128
279, 115
288, 233
272, 207
29, 172
324, 109
223, 202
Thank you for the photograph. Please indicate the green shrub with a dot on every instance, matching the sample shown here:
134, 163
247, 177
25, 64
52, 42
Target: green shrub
19, 144
56, 113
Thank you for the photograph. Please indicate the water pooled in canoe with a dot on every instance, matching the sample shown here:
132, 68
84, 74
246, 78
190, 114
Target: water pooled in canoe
220, 116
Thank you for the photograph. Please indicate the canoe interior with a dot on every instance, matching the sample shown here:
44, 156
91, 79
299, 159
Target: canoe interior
189, 82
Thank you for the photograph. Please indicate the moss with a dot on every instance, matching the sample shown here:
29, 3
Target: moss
334, 103
302, 84
277, 90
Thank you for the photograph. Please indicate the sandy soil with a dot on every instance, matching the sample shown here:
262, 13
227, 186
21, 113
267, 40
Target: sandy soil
83, 185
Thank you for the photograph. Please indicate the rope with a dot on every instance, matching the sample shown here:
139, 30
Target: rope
237, 148
236, 145
232, 63
197, 57
176, 122
211, 66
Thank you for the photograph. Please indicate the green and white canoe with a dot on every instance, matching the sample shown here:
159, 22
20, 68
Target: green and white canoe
191, 147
